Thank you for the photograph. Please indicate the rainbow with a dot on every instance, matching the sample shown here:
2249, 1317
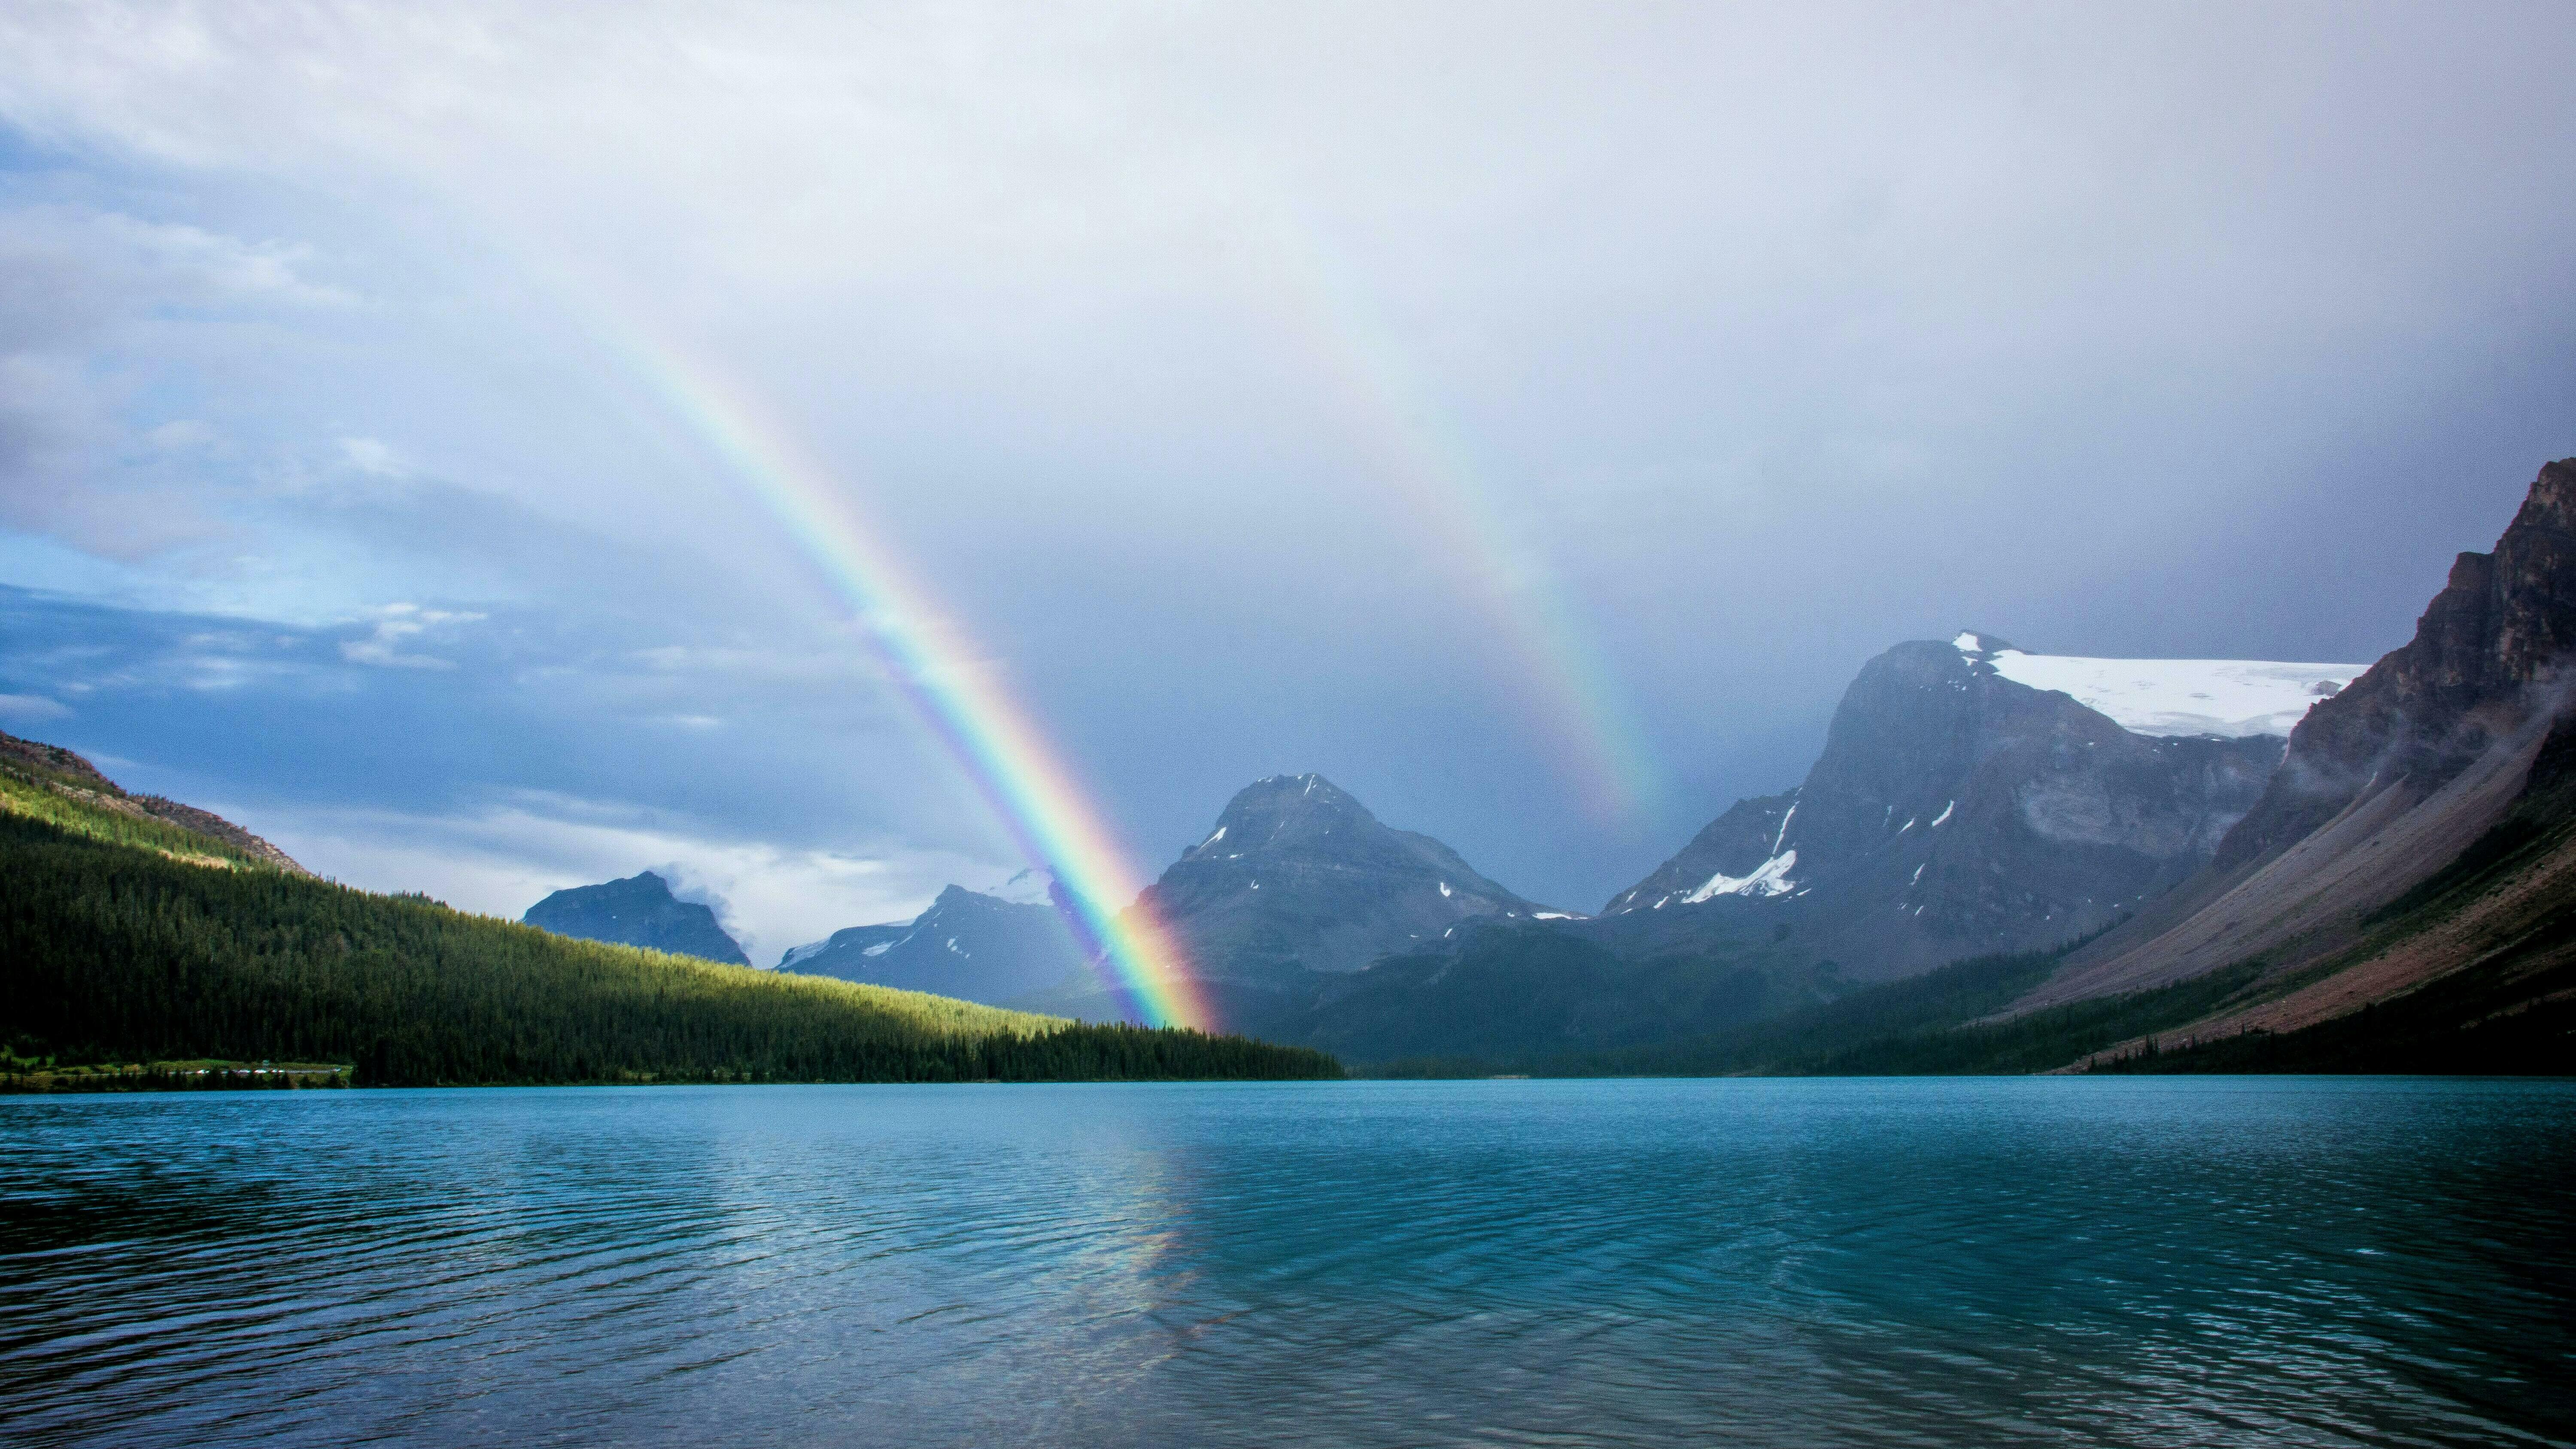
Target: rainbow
992, 737
1577, 695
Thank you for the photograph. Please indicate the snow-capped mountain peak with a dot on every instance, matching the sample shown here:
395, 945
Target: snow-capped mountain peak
1957, 763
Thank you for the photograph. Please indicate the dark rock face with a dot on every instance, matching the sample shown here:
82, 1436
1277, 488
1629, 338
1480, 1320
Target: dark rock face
2459, 733
968, 945
2484, 652
1954, 812
1295, 892
637, 911
1298, 878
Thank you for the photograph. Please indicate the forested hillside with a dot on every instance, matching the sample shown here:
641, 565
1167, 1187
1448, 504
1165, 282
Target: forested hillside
125, 939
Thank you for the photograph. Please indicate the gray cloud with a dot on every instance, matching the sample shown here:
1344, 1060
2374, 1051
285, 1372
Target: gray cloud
82, 290
1763, 337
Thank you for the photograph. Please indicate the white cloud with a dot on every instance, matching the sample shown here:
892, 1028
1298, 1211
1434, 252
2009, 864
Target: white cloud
398, 625
95, 262
371, 455
90, 302
221, 265
850, 662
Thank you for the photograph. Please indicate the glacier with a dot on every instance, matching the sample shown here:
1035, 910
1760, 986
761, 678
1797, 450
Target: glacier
2225, 698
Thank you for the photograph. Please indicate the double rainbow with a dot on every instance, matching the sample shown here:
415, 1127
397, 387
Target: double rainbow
1006, 756
1415, 450
991, 736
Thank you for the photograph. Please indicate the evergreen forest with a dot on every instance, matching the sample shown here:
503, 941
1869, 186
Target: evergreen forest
128, 941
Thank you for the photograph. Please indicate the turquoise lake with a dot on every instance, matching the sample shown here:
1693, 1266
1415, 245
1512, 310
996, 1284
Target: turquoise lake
2165, 1261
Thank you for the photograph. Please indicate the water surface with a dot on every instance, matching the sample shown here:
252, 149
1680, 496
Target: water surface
1936, 1262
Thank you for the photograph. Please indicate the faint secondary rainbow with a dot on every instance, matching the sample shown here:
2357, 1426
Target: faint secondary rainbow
992, 737
1580, 699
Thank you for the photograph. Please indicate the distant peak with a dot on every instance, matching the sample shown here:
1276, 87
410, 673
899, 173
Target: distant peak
1281, 809
1976, 645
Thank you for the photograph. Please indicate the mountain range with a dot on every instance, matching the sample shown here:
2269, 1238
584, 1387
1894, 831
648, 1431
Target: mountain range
1297, 887
969, 944
1955, 810
2394, 886
2136, 825
2000, 860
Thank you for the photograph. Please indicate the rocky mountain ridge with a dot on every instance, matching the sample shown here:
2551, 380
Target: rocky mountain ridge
2454, 750
1955, 810
2410, 845
74, 775
2484, 660
1296, 890
969, 944
1298, 876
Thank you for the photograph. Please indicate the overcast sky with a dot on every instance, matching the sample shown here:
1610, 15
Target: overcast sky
1467, 402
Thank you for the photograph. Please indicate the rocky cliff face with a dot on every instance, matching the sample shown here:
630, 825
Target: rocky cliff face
2484, 655
1955, 811
2415, 764
969, 945
1298, 877
637, 911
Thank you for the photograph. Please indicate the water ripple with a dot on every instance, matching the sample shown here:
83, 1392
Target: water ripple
2145, 1262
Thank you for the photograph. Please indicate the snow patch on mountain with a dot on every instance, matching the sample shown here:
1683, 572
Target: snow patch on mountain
1770, 878
2227, 698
